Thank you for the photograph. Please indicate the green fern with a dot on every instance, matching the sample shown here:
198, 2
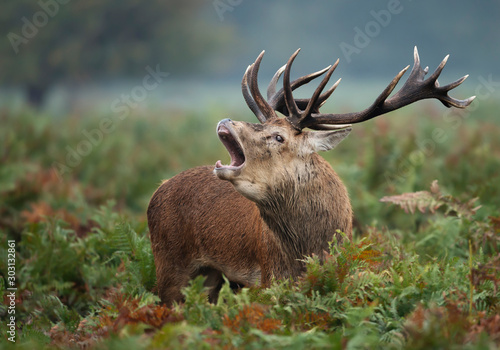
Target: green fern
30, 334
135, 251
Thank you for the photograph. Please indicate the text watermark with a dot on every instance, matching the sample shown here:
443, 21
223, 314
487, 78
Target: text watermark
365, 34
39, 19
454, 118
121, 107
11, 290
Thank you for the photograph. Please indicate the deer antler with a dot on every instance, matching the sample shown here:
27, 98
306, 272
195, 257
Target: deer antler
264, 110
304, 113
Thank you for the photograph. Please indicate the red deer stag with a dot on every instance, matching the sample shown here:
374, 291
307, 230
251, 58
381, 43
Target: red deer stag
278, 200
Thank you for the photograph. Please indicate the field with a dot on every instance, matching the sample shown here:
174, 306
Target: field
422, 272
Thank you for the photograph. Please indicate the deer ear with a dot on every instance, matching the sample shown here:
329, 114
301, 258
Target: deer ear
327, 140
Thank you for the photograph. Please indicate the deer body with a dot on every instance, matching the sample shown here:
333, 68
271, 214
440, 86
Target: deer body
278, 200
200, 224
204, 227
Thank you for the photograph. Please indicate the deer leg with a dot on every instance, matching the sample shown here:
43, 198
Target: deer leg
213, 282
170, 282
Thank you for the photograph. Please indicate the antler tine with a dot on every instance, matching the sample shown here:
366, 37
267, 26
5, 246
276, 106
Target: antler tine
277, 100
303, 102
387, 91
452, 102
248, 97
455, 83
271, 88
314, 99
414, 89
328, 126
261, 103
294, 112
439, 69
322, 99
417, 72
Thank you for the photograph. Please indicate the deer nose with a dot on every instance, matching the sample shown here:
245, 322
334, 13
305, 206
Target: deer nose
226, 121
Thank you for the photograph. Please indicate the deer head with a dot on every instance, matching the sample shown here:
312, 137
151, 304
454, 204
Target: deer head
281, 148
270, 154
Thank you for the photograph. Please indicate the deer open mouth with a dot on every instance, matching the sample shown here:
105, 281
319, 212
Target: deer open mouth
232, 145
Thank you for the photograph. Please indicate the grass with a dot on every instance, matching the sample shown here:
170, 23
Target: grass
74, 194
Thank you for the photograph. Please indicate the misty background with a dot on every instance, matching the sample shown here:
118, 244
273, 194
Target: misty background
64, 56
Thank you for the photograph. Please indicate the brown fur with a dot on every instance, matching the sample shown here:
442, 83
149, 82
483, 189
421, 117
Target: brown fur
200, 224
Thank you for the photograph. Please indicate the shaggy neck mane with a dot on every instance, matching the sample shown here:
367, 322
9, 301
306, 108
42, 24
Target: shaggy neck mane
302, 210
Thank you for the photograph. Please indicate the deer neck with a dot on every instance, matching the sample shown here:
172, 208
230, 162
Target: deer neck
303, 210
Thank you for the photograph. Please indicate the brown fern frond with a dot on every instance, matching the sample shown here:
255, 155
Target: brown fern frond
409, 202
432, 200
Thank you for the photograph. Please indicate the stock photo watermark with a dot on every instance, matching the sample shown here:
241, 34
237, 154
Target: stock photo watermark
454, 118
11, 291
31, 26
365, 34
223, 6
121, 108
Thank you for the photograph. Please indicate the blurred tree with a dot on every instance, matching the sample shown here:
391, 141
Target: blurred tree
48, 41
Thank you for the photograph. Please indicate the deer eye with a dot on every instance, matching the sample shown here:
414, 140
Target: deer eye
279, 138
